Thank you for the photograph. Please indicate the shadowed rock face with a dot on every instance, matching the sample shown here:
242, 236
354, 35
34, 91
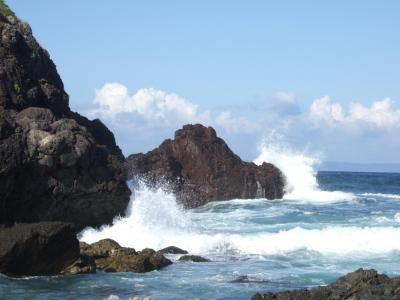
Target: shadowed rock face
44, 248
199, 167
358, 285
54, 163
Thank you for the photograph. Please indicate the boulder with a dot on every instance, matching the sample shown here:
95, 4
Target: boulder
109, 256
83, 265
172, 250
139, 263
44, 248
55, 165
100, 249
193, 258
199, 167
359, 285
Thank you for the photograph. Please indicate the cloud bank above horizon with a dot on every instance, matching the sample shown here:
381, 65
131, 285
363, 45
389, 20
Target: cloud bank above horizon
142, 119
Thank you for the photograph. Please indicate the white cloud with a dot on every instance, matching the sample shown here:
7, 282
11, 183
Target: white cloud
285, 103
150, 104
285, 97
381, 114
324, 109
231, 124
158, 108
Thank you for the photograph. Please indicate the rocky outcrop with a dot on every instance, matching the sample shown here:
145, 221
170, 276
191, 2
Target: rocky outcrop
199, 167
193, 258
358, 285
54, 163
44, 248
172, 250
109, 256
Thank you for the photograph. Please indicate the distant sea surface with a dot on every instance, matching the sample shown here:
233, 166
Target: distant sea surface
321, 230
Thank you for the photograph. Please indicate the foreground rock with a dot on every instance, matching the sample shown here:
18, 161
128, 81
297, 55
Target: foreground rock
172, 250
199, 167
44, 248
111, 257
193, 258
54, 163
358, 285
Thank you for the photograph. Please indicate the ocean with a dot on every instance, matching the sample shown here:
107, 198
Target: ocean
328, 224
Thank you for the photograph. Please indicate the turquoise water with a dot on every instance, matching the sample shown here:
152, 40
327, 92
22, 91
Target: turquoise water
351, 220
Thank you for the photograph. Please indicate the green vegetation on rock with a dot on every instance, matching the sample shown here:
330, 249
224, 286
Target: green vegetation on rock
5, 10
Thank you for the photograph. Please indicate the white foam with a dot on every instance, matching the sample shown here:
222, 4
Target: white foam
380, 195
300, 173
112, 297
155, 220
150, 216
397, 217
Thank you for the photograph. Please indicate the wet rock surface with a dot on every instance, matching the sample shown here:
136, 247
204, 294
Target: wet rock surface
193, 258
55, 165
199, 167
109, 256
359, 285
44, 248
172, 250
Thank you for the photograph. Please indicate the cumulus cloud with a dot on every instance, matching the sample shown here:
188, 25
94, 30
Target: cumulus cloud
380, 115
285, 103
149, 103
231, 124
143, 118
159, 108
324, 109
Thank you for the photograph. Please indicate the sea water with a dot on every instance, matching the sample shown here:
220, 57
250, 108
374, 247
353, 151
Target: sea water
328, 224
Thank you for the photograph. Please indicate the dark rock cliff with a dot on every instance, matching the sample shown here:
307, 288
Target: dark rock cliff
359, 285
199, 167
43, 248
54, 163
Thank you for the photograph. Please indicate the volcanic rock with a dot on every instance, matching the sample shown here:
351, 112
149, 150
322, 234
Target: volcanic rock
359, 285
111, 257
172, 250
193, 258
44, 248
54, 163
199, 167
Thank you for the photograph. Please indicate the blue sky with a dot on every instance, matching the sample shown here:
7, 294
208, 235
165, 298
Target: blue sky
323, 76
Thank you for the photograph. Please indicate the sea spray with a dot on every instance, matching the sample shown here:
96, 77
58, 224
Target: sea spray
155, 220
299, 170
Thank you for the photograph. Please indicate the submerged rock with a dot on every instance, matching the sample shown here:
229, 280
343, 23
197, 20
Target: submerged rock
247, 279
54, 163
199, 167
44, 248
359, 285
172, 250
111, 257
194, 258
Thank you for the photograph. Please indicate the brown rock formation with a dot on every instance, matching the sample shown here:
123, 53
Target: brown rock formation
111, 257
199, 167
358, 285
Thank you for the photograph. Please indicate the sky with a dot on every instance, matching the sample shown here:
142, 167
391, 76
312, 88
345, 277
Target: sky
320, 77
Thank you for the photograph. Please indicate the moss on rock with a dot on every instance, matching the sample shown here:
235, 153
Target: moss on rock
5, 9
